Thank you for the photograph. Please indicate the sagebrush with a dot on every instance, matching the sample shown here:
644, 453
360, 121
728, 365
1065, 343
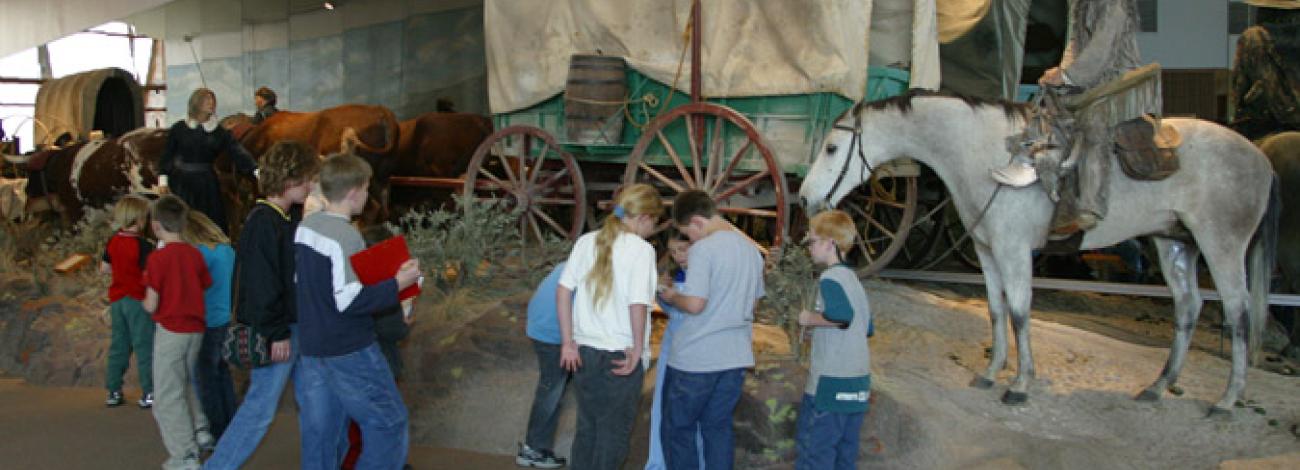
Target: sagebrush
791, 286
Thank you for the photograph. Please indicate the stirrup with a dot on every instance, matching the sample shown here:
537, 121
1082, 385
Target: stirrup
1016, 175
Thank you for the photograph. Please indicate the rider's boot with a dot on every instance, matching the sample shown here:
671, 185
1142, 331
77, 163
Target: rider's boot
1083, 221
1018, 174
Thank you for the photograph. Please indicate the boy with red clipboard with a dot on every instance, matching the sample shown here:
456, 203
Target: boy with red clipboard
344, 374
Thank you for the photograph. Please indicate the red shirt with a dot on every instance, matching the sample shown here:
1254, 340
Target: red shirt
126, 253
177, 272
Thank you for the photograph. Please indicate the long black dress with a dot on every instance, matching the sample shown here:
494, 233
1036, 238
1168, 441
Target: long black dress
187, 162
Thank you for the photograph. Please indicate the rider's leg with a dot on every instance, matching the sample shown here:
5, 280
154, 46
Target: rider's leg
1094, 167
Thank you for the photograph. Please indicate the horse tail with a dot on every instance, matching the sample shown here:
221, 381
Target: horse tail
1262, 256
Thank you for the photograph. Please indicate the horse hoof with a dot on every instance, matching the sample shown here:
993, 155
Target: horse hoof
1219, 413
1014, 398
1148, 396
981, 383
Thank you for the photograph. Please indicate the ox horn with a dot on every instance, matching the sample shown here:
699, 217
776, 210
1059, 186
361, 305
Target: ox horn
348, 142
16, 159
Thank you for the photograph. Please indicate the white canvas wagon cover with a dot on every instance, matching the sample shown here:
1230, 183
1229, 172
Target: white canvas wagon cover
751, 48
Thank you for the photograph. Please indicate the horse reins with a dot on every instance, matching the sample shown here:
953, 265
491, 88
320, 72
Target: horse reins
854, 144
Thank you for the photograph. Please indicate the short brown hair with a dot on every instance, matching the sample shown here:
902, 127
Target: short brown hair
130, 209
287, 163
834, 225
342, 172
692, 203
266, 94
170, 212
196, 99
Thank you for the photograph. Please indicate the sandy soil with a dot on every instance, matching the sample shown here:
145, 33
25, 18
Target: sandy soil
1081, 413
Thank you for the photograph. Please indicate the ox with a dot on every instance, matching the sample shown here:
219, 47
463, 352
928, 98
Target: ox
369, 131
437, 145
92, 174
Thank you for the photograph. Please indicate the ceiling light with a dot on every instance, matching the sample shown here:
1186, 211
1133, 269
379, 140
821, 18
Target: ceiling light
329, 5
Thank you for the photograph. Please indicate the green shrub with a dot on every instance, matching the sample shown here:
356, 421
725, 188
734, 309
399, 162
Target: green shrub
465, 246
791, 286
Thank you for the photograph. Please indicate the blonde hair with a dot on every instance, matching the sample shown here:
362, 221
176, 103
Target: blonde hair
196, 101
200, 230
834, 225
130, 209
634, 200
342, 172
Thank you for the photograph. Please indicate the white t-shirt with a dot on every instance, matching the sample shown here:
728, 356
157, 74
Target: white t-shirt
608, 326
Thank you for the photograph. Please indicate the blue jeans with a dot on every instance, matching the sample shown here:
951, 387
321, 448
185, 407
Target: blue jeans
607, 408
656, 459
826, 440
215, 388
703, 403
254, 416
357, 386
551, 382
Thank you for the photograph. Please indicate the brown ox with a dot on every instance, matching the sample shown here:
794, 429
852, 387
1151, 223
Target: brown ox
375, 129
438, 145
93, 174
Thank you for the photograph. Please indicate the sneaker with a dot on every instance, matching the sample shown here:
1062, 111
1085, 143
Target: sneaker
538, 458
146, 401
1016, 175
205, 441
192, 462
114, 399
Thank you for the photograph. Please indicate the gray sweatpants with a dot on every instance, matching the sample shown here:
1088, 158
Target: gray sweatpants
176, 406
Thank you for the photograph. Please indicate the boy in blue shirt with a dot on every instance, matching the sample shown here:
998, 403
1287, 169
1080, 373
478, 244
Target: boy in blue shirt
544, 331
839, 380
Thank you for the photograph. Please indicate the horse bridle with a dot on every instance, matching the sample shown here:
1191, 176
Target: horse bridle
854, 144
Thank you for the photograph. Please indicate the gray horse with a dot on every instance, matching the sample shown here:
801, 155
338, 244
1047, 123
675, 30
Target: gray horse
1223, 203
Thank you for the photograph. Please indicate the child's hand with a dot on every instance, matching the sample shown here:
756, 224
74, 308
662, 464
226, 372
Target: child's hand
280, 350
569, 359
627, 365
408, 274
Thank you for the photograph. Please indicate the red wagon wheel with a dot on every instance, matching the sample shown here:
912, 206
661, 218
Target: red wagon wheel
525, 166
721, 154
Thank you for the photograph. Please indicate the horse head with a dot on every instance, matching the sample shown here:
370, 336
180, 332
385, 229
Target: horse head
842, 163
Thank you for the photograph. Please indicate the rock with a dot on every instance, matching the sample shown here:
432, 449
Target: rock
55, 340
767, 413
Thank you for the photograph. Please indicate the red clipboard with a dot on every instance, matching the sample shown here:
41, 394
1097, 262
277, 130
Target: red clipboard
380, 263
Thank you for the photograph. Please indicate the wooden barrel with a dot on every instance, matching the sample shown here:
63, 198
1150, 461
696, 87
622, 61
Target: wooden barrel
594, 99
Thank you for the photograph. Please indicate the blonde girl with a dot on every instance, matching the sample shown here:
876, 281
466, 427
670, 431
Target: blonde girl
603, 313
216, 389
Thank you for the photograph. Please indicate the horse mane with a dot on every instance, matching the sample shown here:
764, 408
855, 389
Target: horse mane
903, 103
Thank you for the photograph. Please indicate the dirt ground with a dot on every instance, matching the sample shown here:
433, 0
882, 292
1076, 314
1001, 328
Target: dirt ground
469, 398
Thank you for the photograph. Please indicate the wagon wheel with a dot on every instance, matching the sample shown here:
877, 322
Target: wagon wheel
927, 226
716, 150
527, 168
883, 210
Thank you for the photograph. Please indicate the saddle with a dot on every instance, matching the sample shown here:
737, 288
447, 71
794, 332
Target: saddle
1147, 148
